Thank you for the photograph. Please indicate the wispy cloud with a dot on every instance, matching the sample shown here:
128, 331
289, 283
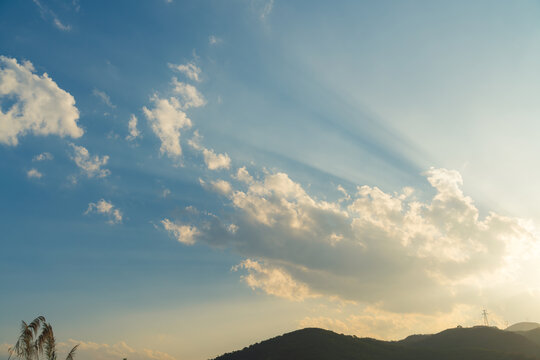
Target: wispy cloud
47, 13
267, 9
103, 97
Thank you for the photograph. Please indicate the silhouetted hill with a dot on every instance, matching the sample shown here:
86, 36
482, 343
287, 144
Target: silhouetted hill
523, 326
480, 337
533, 335
412, 339
481, 343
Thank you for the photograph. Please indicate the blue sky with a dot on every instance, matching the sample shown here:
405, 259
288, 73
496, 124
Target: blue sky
190, 177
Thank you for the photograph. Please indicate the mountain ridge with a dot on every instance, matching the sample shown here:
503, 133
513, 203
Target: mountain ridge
476, 343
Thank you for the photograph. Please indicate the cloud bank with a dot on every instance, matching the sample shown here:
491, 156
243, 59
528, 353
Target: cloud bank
369, 247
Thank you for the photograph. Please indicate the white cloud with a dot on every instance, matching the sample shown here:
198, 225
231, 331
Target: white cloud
379, 248
273, 281
91, 166
190, 70
243, 175
103, 97
95, 351
214, 40
105, 208
212, 160
216, 161
40, 107
134, 133
43, 157
167, 119
33, 173
220, 186
185, 234
191, 97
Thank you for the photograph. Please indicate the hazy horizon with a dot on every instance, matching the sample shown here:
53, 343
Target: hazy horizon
184, 178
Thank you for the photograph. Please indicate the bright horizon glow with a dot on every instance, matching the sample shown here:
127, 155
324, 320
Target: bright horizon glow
181, 179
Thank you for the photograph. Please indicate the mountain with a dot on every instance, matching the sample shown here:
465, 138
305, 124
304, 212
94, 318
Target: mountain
523, 326
480, 337
533, 335
478, 343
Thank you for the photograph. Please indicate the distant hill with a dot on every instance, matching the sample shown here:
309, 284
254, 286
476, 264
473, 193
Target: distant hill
523, 326
480, 337
533, 335
478, 343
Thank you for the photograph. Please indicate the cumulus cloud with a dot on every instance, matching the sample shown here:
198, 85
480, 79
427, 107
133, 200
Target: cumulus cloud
134, 133
167, 119
95, 351
89, 165
273, 281
216, 161
191, 97
220, 186
243, 175
37, 105
43, 157
186, 234
373, 247
105, 208
190, 70
34, 173
103, 97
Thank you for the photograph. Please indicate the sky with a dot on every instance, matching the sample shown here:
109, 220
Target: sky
180, 179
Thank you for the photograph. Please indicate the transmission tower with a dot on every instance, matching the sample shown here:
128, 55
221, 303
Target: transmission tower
485, 317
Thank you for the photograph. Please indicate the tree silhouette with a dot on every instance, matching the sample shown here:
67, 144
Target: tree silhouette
36, 340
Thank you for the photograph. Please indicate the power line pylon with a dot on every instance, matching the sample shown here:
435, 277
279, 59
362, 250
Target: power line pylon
485, 317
